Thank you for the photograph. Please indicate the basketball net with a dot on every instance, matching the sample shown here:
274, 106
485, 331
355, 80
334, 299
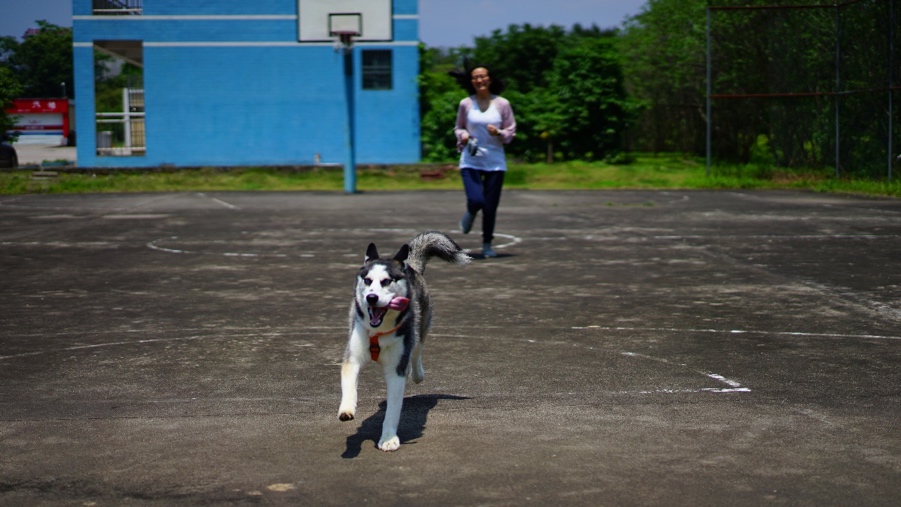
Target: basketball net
345, 40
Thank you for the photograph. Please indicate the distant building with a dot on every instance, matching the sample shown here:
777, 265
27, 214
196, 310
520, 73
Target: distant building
239, 83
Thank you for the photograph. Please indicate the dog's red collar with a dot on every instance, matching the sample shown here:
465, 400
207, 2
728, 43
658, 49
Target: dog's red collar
374, 347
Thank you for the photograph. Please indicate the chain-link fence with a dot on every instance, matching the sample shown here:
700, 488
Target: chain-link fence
810, 85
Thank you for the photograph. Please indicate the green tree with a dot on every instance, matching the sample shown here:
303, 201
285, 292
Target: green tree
9, 90
591, 98
664, 64
522, 56
439, 95
42, 62
540, 119
566, 89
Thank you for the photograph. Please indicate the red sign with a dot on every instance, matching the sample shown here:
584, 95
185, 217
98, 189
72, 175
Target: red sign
25, 106
40, 116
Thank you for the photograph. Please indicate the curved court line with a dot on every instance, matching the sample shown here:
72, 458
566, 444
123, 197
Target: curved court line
742, 331
777, 236
153, 246
732, 386
512, 240
237, 333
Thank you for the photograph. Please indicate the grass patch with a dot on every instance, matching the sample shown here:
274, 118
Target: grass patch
651, 172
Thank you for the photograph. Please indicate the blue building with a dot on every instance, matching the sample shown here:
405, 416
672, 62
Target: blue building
239, 83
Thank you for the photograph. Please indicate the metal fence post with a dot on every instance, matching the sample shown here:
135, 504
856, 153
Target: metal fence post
838, 91
709, 89
891, 84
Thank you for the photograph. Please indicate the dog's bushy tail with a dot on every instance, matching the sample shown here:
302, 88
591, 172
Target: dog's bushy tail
427, 245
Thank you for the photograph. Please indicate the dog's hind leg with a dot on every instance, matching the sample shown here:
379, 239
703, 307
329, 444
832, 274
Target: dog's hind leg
395, 385
418, 371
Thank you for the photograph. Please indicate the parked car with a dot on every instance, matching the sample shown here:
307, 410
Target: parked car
9, 159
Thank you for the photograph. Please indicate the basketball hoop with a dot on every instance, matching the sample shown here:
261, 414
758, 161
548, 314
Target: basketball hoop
331, 21
340, 22
345, 27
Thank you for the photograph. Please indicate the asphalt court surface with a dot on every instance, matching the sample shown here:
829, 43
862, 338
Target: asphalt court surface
626, 348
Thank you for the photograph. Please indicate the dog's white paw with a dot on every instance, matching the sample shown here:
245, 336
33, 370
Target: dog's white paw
390, 444
345, 414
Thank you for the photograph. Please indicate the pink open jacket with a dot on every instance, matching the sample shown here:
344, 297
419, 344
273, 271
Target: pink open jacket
508, 123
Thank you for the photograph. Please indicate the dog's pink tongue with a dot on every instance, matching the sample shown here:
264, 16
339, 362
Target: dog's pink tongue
399, 304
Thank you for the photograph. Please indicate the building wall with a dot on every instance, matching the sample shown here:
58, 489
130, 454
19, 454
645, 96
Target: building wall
227, 84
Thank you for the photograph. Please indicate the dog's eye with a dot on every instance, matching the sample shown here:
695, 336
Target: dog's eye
386, 283
367, 281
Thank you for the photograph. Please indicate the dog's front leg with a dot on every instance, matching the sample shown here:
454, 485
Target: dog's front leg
355, 357
350, 372
395, 385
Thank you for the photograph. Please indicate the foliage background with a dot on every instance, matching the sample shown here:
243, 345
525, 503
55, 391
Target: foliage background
593, 94
566, 88
37, 67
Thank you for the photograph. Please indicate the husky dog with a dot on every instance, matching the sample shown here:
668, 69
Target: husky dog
389, 318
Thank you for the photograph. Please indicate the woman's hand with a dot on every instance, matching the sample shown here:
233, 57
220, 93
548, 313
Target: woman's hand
492, 130
464, 138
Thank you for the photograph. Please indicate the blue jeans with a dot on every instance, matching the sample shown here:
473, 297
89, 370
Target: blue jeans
483, 193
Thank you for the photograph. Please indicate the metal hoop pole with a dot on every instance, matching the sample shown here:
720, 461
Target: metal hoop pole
350, 166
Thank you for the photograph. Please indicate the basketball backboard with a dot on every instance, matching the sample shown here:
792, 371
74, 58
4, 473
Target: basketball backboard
325, 20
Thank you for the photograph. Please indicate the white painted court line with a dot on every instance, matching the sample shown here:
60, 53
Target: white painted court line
218, 201
743, 331
135, 216
730, 385
511, 240
154, 246
778, 236
228, 334
734, 386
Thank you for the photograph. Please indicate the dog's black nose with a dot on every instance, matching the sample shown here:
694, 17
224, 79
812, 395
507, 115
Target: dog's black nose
372, 299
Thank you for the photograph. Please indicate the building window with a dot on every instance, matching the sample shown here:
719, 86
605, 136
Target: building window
377, 69
118, 7
119, 98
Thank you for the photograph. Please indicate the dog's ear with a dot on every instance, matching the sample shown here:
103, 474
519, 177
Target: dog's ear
403, 253
371, 253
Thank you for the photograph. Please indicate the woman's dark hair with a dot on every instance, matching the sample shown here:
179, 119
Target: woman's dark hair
464, 78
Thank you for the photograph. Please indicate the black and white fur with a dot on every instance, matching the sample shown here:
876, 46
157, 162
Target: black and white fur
378, 283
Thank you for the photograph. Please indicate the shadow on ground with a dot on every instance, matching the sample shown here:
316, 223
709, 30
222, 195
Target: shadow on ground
412, 422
